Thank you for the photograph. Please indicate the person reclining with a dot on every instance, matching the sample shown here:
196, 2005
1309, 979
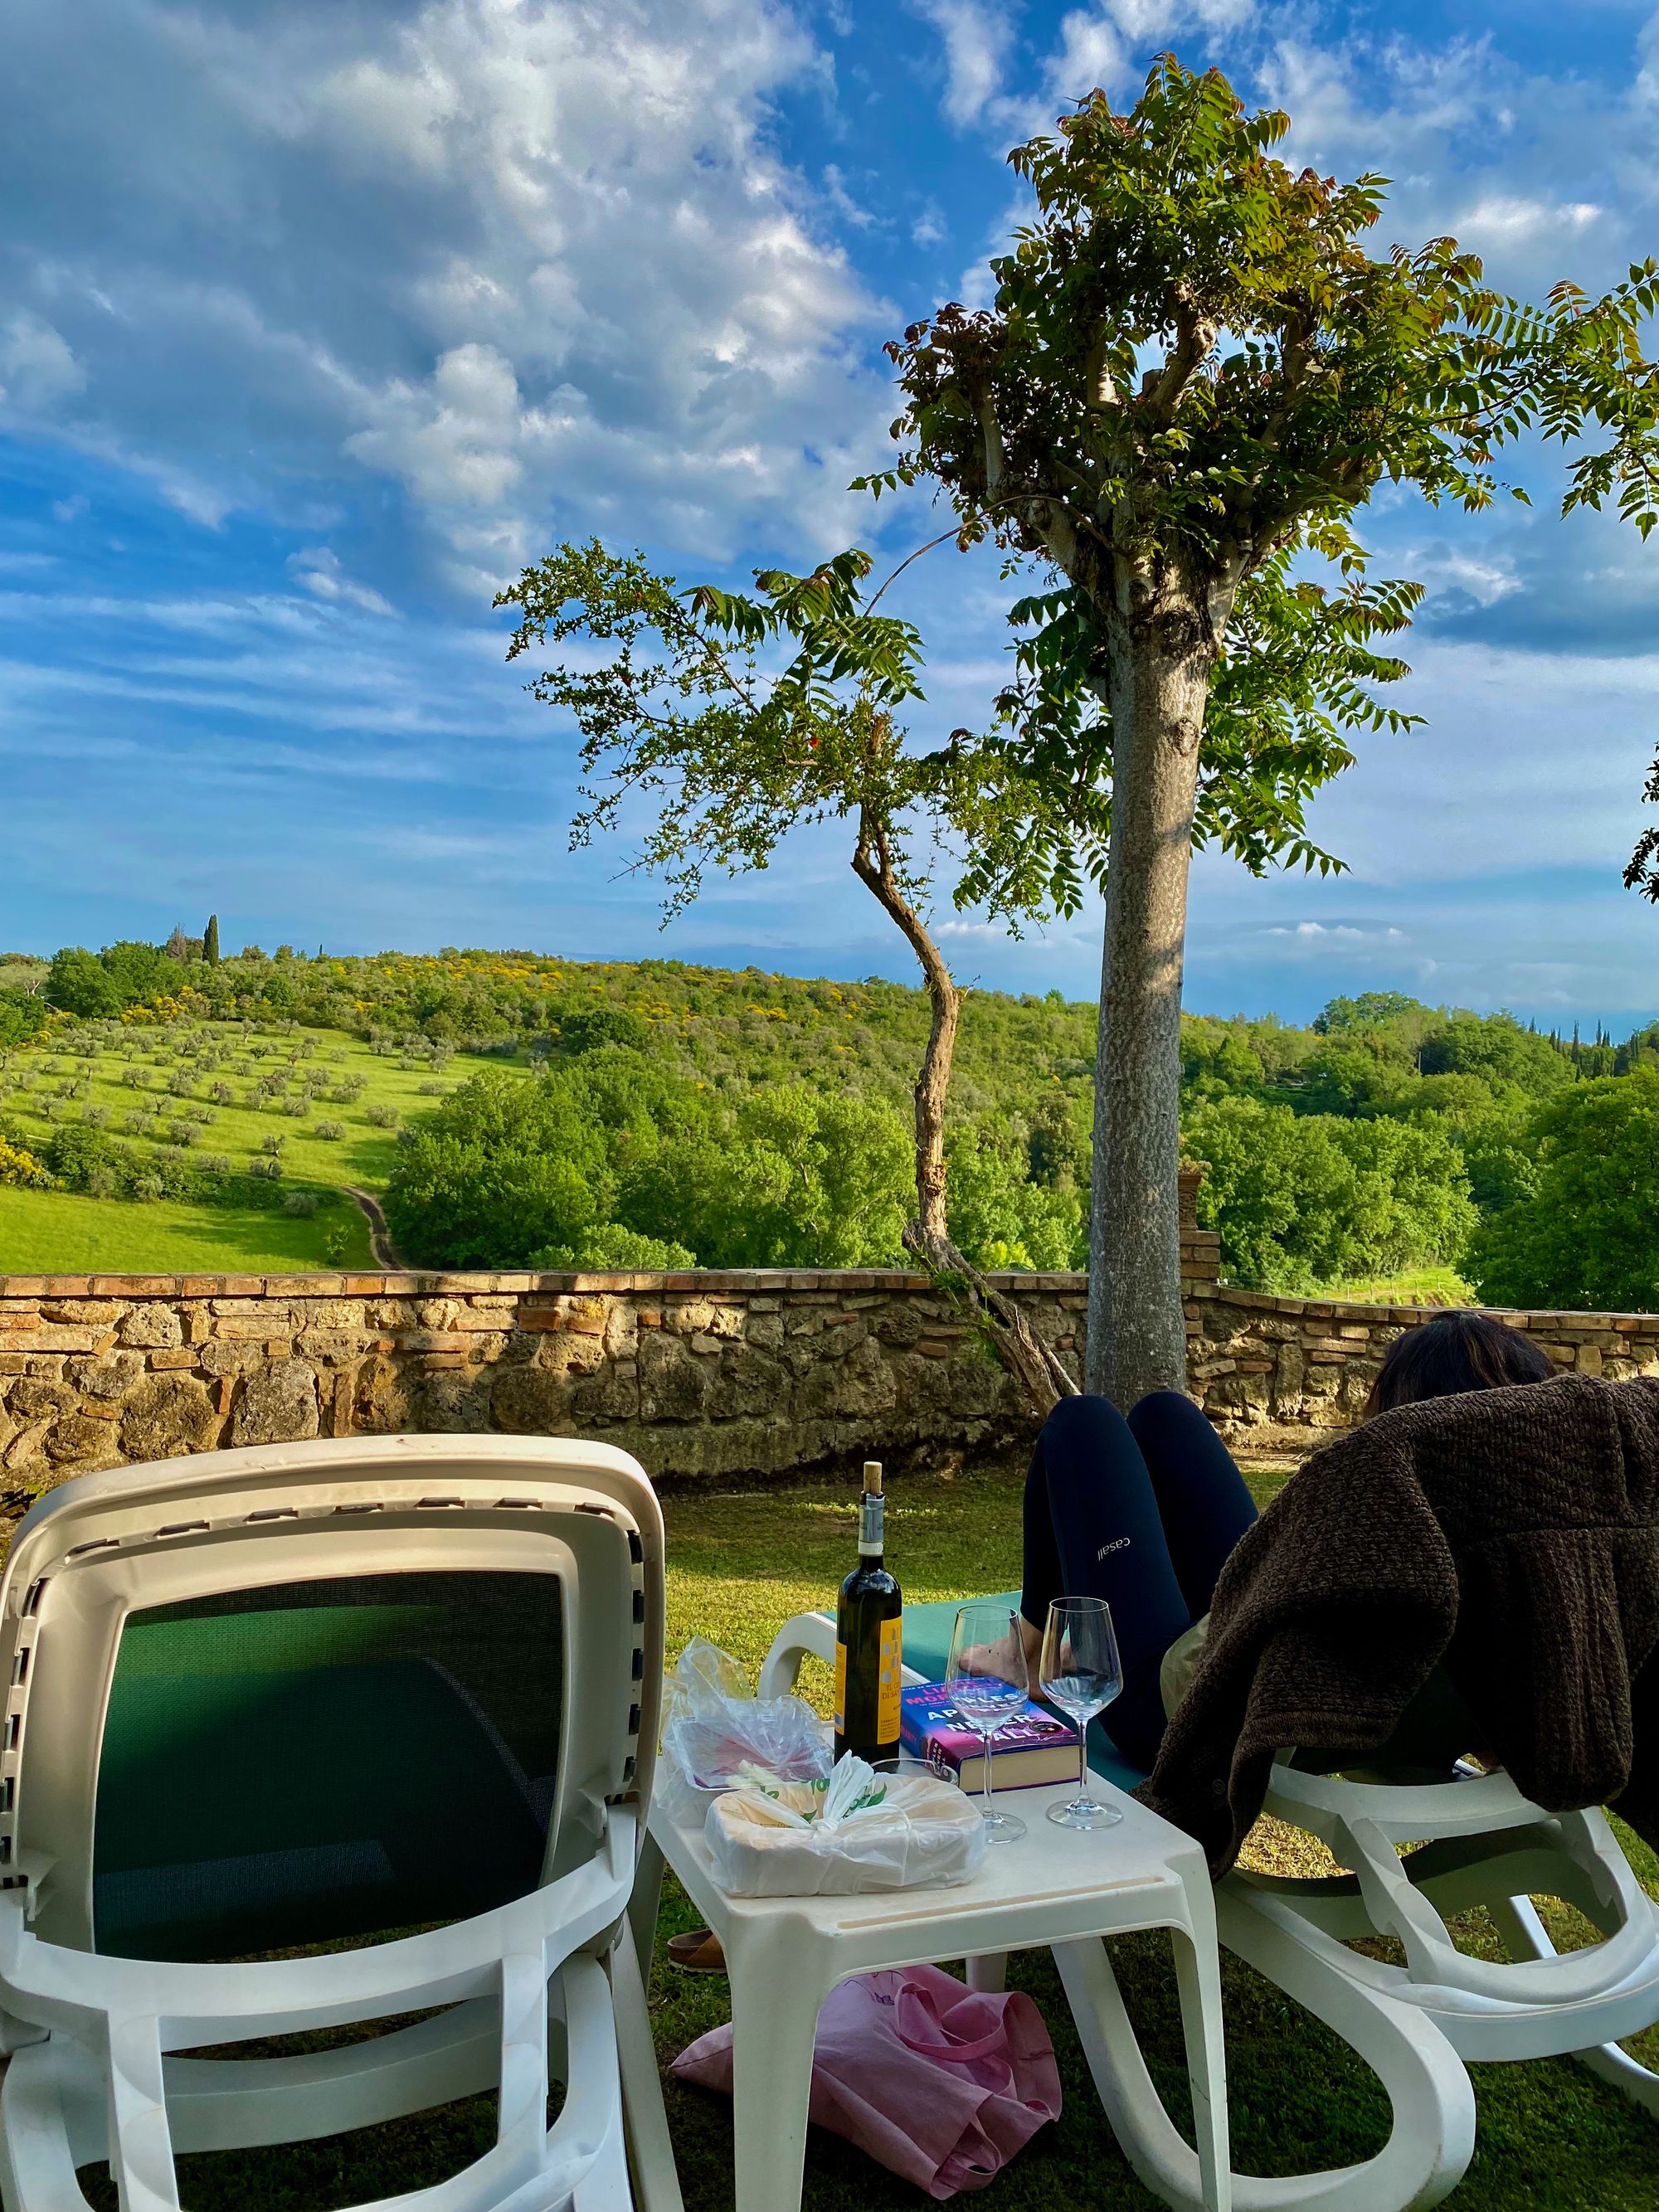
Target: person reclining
1146, 1510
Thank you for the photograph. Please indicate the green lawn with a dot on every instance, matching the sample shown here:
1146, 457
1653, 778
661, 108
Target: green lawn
1550, 2139
1413, 1286
54, 1233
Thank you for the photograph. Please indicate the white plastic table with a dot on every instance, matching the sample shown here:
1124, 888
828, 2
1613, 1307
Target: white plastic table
1059, 1886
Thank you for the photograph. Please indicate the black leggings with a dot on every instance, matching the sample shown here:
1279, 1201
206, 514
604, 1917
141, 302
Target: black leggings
1141, 1512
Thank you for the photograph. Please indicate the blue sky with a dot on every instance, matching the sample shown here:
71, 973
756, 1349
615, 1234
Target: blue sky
318, 318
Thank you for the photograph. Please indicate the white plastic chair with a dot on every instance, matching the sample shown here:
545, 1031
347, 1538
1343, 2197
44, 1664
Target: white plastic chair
1478, 1842
280, 1635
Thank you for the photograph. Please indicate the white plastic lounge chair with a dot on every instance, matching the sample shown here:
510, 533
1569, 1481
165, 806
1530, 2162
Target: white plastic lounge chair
267, 1698
1478, 1842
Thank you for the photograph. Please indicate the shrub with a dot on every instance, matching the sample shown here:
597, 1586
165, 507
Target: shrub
147, 1189
272, 1144
21, 1171
381, 1117
333, 1131
609, 1248
301, 1202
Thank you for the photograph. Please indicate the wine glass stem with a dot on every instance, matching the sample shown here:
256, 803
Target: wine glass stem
1083, 1759
987, 1799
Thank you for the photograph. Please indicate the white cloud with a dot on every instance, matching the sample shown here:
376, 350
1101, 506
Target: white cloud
37, 367
1329, 932
317, 569
70, 509
977, 39
1510, 219
538, 265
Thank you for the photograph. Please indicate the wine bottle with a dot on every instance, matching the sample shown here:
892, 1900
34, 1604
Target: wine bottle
867, 1639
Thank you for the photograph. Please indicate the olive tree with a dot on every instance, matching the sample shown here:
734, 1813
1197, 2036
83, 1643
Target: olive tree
1193, 375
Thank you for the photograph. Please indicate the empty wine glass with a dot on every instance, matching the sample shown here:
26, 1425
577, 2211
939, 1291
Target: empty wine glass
989, 1684
1081, 1673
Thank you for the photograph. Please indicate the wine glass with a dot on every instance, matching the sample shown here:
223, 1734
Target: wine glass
1081, 1673
989, 1684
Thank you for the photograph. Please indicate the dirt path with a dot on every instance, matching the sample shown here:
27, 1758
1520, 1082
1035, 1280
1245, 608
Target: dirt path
381, 1250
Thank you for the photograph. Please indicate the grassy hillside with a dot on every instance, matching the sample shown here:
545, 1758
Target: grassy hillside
1380, 1149
203, 1104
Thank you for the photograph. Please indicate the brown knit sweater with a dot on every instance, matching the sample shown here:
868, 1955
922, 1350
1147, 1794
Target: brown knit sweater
1514, 1534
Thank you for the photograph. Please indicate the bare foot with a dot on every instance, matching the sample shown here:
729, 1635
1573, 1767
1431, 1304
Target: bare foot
1002, 1659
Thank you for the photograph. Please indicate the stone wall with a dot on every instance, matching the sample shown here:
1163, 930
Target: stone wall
1298, 1366
728, 1377
701, 1375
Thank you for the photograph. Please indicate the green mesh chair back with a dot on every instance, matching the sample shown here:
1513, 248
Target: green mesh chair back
326, 1760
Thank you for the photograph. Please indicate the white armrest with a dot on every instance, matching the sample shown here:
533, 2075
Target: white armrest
807, 1635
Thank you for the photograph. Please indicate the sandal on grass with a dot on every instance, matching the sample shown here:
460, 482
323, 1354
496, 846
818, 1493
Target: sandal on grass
698, 1953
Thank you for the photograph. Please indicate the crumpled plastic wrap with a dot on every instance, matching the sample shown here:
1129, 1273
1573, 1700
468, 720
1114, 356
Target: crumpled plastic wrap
859, 1831
718, 1736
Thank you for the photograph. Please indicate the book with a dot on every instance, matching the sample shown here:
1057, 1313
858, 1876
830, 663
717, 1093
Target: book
1031, 1749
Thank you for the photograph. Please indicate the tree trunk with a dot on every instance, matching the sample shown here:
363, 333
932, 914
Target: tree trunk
1137, 1332
1040, 1373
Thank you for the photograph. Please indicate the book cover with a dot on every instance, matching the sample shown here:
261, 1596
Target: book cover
1033, 1748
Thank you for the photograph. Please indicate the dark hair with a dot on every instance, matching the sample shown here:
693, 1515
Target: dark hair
1454, 1352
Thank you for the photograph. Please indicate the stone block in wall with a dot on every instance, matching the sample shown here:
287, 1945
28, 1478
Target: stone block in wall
153, 1327
530, 1400
612, 1394
380, 1400
277, 1404
81, 1444
111, 1378
862, 1384
455, 1400
167, 1415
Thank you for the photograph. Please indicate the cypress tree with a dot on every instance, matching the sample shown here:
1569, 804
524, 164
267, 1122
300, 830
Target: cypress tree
210, 941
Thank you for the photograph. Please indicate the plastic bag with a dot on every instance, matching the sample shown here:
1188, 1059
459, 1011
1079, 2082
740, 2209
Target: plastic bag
717, 1735
860, 1831
942, 2084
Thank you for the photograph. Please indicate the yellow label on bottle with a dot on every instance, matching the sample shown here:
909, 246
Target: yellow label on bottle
887, 1701
841, 1687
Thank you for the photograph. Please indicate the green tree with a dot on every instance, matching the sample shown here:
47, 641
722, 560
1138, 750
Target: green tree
79, 983
1193, 375
140, 973
23, 1015
504, 1169
1588, 1233
1303, 1199
999, 1216
210, 941
677, 709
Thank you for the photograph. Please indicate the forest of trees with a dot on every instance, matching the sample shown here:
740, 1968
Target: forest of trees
657, 1113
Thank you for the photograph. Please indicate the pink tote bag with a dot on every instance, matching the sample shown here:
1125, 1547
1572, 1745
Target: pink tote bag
938, 2083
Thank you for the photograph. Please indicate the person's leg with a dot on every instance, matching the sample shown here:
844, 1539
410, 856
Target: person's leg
1106, 1540
1201, 1496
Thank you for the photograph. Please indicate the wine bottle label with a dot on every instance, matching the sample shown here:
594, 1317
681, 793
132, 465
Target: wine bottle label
841, 1687
887, 1701
870, 1516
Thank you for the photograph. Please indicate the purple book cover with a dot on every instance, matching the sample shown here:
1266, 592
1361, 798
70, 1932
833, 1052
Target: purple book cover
928, 1729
